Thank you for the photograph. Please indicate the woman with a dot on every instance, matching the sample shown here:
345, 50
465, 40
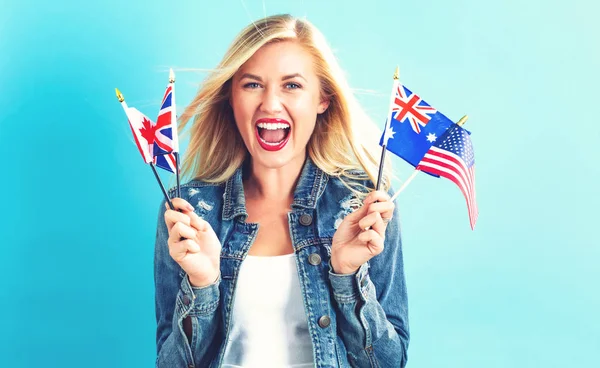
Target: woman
279, 254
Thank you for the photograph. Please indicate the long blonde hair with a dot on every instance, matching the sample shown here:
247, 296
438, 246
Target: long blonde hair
343, 144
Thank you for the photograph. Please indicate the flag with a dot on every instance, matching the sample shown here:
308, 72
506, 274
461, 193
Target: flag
166, 162
414, 126
452, 157
143, 132
428, 140
166, 126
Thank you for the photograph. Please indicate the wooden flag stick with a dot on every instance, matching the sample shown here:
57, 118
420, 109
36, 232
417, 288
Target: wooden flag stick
404, 185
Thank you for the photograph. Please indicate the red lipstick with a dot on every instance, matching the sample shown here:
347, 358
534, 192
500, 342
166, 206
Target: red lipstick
272, 124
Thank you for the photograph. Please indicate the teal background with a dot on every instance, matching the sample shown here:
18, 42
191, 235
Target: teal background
79, 206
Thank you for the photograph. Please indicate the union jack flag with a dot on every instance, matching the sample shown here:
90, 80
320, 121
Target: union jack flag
165, 128
408, 105
453, 158
166, 143
166, 162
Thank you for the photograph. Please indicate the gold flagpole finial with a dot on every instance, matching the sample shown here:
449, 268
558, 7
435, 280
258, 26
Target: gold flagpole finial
171, 76
119, 95
397, 73
462, 120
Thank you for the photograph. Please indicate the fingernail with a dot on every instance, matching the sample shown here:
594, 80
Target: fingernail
189, 207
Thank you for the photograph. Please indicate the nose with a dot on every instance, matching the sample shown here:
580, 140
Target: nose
271, 102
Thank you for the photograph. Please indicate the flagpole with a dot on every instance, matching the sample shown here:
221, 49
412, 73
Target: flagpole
162, 187
388, 122
404, 185
177, 169
174, 127
462, 121
125, 107
121, 100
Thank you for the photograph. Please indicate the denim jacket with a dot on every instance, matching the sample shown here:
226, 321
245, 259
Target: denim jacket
356, 320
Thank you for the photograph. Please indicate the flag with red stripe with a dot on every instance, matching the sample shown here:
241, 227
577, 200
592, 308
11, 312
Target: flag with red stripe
452, 157
165, 129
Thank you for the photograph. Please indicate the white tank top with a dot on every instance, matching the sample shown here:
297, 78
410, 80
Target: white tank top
268, 325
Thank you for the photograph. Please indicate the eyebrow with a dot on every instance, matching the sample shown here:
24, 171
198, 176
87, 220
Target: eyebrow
285, 77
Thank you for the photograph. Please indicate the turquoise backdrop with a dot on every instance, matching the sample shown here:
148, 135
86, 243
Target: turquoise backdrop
79, 206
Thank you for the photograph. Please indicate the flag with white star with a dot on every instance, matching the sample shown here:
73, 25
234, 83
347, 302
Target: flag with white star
414, 127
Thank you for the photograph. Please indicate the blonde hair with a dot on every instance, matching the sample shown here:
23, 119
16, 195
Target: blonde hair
344, 136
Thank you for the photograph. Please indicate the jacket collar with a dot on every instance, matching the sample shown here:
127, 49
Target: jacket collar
309, 188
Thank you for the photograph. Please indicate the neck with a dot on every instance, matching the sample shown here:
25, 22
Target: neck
270, 184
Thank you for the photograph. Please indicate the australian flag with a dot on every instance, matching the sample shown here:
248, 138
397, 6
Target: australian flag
165, 132
431, 142
414, 126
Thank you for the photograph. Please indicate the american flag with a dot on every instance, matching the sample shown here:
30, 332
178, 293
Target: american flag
453, 158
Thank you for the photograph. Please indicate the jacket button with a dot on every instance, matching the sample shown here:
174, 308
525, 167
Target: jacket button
186, 300
305, 219
314, 259
324, 321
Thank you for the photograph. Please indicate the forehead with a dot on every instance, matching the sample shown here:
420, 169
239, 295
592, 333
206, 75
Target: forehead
283, 57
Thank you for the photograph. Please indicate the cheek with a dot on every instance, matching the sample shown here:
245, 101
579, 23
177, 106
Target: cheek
242, 112
303, 109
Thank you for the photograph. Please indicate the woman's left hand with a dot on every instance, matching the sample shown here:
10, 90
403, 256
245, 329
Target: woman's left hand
361, 234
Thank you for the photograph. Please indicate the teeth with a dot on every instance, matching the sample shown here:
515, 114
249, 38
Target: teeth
273, 126
269, 143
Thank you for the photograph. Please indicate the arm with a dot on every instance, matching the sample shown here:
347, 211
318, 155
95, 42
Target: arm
372, 306
175, 301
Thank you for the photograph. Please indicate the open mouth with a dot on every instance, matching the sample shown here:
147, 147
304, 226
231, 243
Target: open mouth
272, 134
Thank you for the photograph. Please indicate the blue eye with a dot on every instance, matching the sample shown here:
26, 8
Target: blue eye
251, 85
293, 86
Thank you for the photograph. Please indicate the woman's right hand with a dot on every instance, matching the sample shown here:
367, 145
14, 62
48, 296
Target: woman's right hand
193, 244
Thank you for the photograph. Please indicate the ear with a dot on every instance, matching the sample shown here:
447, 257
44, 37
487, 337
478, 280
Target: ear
323, 106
